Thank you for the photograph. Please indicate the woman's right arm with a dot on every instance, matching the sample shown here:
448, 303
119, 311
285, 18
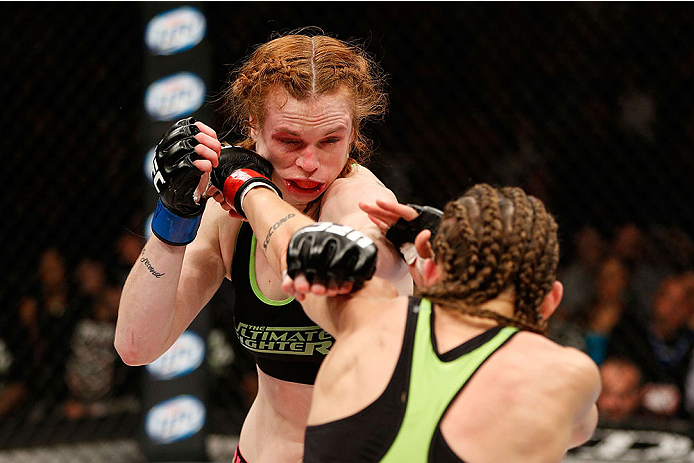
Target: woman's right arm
166, 289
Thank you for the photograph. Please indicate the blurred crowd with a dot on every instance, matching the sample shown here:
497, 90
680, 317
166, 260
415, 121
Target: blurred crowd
57, 360
56, 344
629, 304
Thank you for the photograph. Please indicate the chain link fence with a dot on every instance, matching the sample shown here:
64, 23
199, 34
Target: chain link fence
589, 106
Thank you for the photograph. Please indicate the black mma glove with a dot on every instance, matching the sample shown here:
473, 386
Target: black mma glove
328, 253
403, 232
239, 171
177, 217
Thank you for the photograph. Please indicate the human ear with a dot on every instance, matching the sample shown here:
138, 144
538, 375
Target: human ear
431, 273
254, 130
552, 300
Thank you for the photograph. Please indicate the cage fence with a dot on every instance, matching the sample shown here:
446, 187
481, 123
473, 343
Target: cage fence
588, 106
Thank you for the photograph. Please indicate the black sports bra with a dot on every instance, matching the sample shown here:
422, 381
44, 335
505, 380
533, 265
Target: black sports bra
286, 344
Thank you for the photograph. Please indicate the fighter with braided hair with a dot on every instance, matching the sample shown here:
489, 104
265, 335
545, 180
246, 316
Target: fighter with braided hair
301, 102
462, 371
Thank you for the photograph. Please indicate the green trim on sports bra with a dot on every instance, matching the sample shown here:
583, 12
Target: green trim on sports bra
254, 283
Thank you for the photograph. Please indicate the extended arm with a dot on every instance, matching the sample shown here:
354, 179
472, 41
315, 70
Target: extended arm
342, 205
328, 251
243, 177
274, 221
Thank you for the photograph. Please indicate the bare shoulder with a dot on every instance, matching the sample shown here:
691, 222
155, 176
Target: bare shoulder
575, 364
341, 199
553, 365
535, 395
359, 174
360, 182
547, 351
378, 312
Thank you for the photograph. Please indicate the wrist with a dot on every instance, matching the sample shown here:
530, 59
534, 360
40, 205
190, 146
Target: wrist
240, 182
173, 229
253, 188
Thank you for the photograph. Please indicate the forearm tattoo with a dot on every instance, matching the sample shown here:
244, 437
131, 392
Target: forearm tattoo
274, 228
149, 266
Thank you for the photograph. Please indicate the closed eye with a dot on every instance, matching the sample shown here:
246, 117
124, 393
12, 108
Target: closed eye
331, 141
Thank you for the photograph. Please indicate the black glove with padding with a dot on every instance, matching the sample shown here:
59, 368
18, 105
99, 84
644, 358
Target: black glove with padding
239, 171
175, 176
403, 232
327, 253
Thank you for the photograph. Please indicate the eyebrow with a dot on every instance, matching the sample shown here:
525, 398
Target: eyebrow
286, 131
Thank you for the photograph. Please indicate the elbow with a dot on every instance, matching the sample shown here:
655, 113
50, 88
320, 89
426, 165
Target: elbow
127, 355
585, 429
128, 352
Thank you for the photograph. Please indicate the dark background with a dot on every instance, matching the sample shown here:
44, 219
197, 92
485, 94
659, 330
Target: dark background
467, 81
587, 105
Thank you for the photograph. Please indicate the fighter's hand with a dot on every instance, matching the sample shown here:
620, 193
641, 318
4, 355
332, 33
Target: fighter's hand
409, 227
386, 213
327, 259
239, 171
300, 286
402, 224
187, 150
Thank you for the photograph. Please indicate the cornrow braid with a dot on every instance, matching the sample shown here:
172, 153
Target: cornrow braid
490, 245
519, 240
491, 240
453, 257
543, 258
510, 255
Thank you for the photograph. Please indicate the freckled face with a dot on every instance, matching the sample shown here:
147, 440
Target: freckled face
306, 141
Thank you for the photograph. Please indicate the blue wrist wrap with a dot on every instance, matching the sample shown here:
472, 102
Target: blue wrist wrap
173, 229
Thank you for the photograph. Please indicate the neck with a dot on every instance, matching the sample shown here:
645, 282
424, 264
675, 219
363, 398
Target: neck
503, 304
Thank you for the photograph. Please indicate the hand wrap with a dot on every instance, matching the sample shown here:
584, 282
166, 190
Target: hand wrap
177, 217
331, 254
239, 171
403, 232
